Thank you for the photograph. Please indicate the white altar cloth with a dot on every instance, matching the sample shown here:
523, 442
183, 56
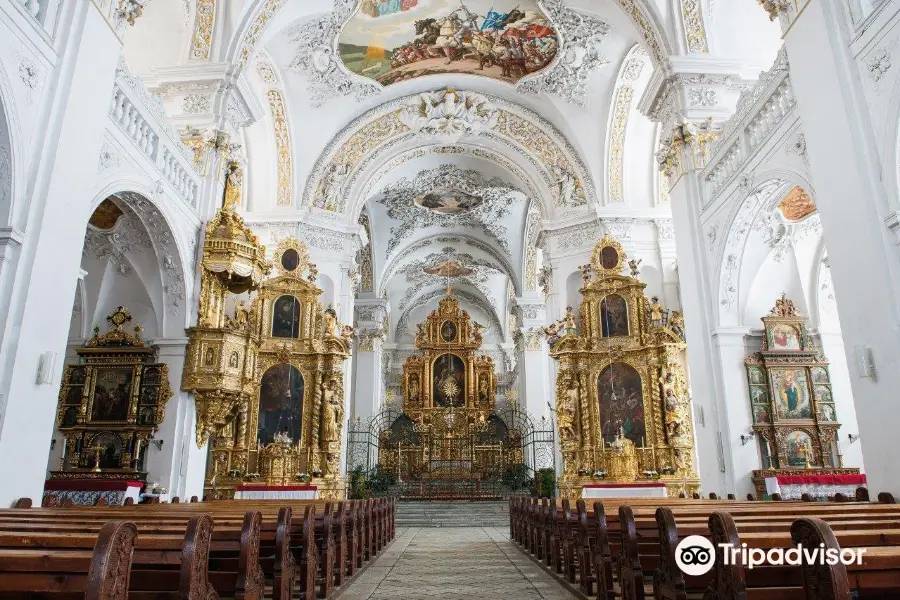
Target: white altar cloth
625, 490
276, 492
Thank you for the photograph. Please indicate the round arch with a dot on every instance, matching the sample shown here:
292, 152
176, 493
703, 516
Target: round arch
766, 185
517, 133
175, 263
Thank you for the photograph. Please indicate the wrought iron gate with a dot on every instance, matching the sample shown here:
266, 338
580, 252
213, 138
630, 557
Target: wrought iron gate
456, 454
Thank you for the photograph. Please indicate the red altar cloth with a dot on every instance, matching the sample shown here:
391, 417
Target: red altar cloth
859, 479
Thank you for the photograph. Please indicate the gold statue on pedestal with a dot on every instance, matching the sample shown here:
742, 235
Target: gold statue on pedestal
621, 396
269, 379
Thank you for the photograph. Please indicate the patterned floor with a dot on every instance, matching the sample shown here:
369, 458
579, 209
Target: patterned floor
454, 562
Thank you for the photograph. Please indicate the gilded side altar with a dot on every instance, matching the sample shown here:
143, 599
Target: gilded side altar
622, 405
264, 362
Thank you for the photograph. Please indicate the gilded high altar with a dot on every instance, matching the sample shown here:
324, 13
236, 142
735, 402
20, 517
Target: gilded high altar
264, 362
622, 404
448, 429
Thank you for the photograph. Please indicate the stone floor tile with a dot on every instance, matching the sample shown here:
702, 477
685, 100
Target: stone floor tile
450, 563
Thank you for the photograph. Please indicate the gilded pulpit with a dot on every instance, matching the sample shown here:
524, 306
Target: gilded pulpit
265, 363
622, 405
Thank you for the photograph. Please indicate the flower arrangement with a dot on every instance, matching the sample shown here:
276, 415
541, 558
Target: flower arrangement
234, 473
651, 474
668, 470
601, 474
317, 473
303, 476
583, 472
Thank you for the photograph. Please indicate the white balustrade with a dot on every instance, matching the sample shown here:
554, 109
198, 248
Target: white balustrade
759, 111
142, 117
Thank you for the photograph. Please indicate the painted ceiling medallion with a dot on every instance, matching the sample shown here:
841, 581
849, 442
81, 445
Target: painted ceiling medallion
397, 40
448, 268
361, 47
797, 205
448, 201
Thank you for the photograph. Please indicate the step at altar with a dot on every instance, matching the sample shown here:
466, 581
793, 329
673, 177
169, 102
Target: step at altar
453, 514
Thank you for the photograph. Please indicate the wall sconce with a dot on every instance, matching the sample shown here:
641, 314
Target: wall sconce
52, 443
853, 438
747, 438
157, 443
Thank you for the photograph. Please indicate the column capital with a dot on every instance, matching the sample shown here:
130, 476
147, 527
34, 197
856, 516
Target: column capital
370, 340
206, 95
120, 14
371, 312
785, 11
529, 339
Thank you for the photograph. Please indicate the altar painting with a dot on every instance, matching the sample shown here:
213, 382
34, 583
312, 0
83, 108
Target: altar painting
614, 316
799, 448
784, 337
112, 394
448, 376
398, 40
621, 403
790, 389
286, 317
280, 404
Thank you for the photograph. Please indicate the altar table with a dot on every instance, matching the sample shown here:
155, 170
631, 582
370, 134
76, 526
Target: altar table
86, 492
650, 489
249, 491
792, 487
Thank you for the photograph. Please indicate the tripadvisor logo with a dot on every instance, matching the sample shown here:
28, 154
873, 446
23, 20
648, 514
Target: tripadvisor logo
695, 555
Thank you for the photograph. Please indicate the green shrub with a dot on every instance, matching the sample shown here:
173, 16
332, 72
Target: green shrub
358, 488
380, 481
544, 485
515, 477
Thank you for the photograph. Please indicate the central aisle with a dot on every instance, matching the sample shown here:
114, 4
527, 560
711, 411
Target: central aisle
454, 562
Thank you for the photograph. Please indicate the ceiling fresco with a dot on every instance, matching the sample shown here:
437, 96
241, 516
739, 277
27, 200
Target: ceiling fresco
797, 205
390, 41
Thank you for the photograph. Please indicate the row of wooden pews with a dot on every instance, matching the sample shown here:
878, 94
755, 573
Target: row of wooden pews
627, 548
240, 549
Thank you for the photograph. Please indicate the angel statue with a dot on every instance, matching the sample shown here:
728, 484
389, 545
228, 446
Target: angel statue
585, 273
635, 264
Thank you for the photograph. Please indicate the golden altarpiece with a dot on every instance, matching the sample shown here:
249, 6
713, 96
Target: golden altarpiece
264, 363
791, 401
622, 404
448, 431
110, 404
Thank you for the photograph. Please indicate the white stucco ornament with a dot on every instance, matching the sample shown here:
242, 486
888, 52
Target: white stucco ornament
130, 10
448, 114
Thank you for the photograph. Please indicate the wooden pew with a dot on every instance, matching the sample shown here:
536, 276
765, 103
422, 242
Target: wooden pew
67, 568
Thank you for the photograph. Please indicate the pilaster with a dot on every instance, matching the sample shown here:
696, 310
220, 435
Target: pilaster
40, 291
840, 144
177, 464
369, 387
534, 360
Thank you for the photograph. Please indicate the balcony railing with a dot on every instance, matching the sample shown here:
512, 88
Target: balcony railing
142, 117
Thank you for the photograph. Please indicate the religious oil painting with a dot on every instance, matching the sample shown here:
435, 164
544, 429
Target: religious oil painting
414, 390
397, 40
823, 393
799, 449
797, 205
790, 389
609, 257
614, 316
448, 331
280, 404
826, 412
290, 259
112, 394
286, 317
784, 337
448, 202
621, 403
761, 414
820, 375
111, 453
755, 375
759, 394
448, 375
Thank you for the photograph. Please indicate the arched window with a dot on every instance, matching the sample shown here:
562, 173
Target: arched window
286, 317
280, 404
621, 403
614, 316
